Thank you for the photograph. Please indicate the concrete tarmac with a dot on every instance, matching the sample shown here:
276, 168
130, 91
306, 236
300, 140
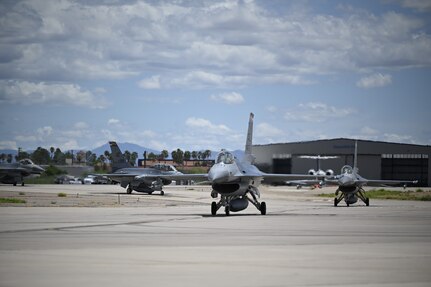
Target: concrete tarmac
150, 240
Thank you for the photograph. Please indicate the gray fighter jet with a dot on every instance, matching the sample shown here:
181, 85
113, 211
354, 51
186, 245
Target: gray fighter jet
145, 180
350, 183
236, 181
14, 173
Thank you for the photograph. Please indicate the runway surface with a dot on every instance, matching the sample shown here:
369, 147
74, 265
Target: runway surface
117, 239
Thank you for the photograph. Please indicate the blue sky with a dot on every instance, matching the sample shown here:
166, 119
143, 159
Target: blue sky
186, 74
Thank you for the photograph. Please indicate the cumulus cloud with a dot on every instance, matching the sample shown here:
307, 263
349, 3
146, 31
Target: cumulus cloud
150, 83
316, 112
201, 44
419, 5
374, 81
8, 145
29, 93
228, 98
206, 125
113, 122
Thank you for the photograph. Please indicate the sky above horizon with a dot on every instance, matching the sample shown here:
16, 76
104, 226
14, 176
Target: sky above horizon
186, 74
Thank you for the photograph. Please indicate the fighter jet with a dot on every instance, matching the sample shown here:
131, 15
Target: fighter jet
146, 180
350, 183
14, 173
236, 181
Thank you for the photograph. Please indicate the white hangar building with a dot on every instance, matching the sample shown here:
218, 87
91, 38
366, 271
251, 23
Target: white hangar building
376, 160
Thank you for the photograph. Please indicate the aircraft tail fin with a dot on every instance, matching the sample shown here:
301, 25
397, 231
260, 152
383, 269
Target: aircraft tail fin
118, 159
355, 157
249, 142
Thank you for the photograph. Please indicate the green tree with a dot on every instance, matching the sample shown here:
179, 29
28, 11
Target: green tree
133, 158
152, 156
21, 155
2, 157
59, 157
9, 158
107, 155
178, 156
164, 154
194, 155
187, 155
80, 156
127, 155
41, 156
52, 150
207, 154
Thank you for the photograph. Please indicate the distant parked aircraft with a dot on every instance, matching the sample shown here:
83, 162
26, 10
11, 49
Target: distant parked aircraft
317, 172
145, 180
14, 173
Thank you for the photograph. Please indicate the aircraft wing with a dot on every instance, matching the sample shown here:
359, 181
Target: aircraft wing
304, 182
191, 176
121, 176
287, 177
371, 182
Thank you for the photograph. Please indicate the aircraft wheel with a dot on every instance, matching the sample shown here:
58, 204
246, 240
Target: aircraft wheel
263, 208
129, 190
367, 201
227, 210
335, 202
213, 208
162, 192
347, 204
22, 183
14, 184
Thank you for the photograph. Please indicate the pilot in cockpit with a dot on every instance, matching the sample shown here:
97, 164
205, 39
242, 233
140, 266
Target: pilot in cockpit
225, 157
26, 161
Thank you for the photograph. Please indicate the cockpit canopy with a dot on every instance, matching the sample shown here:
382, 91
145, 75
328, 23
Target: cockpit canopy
26, 161
164, 167
225, 157
346, 169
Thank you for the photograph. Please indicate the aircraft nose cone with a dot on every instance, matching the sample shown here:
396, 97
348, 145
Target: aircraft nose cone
38, 169
218, 175
345, 180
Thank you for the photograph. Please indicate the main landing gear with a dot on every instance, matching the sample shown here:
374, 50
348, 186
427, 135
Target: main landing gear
226, 202
360, 193
129, 190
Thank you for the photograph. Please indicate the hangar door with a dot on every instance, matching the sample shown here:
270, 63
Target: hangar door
282, 165
405, 167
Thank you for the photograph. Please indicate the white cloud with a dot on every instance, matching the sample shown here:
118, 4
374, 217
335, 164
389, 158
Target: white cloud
267, 133
113, 122
28, 93
316, 112
392, 137
375, 80
81, 125
8, 145
367, 131
150, 83
228, 98
197, 44
206, 125
44, 132
419, 5
268, 130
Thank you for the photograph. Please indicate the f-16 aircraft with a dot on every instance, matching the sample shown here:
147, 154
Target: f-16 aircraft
236, 181
14, 173
350, 183
145, 180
